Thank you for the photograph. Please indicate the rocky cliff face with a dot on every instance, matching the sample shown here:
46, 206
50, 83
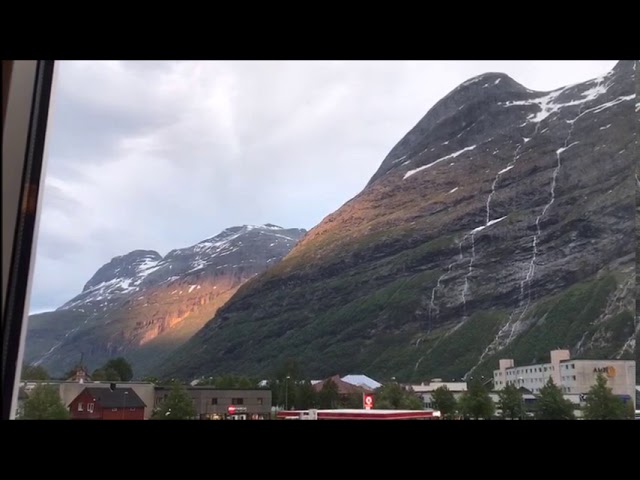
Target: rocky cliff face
501, 225
143, 305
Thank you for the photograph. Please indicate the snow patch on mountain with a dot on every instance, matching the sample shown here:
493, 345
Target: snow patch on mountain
452, 155
492, 222
548, 104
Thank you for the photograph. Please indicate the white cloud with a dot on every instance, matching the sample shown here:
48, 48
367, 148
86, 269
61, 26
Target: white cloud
159, 155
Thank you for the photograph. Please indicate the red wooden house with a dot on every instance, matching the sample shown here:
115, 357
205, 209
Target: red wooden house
107, 404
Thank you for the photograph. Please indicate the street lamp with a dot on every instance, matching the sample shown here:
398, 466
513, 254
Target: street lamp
286, 393
124, 403
521, 401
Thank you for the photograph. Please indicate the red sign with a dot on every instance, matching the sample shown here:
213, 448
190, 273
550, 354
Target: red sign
368, 400
231, 409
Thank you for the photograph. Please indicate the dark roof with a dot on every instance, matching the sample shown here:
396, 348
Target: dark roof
344, 388
120, 397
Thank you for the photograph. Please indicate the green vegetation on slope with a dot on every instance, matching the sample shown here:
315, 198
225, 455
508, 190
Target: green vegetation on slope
562, 321
365, 318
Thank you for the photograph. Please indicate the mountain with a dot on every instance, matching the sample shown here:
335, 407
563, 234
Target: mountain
142, 305
501, 225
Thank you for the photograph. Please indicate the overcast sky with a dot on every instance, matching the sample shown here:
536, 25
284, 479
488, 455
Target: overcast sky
161, 155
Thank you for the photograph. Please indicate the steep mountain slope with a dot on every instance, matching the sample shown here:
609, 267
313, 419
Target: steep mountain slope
143, 305
635, 341
502, 224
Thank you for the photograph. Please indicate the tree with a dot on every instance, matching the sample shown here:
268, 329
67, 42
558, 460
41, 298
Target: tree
602, 404
328, 396
511, 402
177, 406
393, 396
121, 366
476, 402
443, 400
34, 372
551, 405
353, 400
305, 396
152, 379
44, 403
229, 381
289, 368
105, 375
69, 373
629, 411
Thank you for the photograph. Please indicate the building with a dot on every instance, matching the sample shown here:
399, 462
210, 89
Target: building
80, 376
362, 381
425, 390
573, 376
224, 404
344, 388
107, 404
69, 390
357, 414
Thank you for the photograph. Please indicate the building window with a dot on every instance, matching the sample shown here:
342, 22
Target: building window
80, 407
90, 407
573, 365
259, 401
237, 401
574, 377
114, 409
214, 401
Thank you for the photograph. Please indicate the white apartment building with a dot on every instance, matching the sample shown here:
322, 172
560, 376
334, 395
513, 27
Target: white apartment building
573, 376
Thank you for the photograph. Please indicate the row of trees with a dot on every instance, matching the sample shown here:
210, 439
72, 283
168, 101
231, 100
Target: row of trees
44, 402
601, 403
114, 370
